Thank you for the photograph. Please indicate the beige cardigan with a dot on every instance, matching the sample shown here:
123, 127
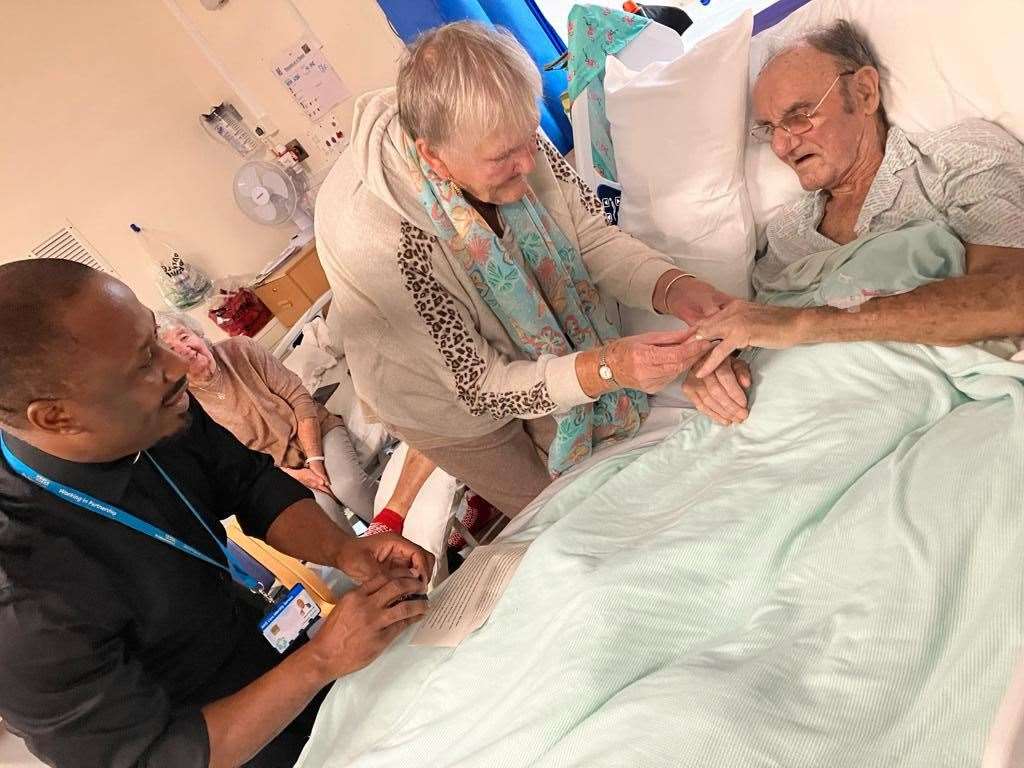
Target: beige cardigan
259, 401
425, 352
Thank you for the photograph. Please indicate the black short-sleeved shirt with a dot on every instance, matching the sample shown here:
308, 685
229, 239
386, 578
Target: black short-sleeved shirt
111, 641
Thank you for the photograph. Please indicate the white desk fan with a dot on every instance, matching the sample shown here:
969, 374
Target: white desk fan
270, 194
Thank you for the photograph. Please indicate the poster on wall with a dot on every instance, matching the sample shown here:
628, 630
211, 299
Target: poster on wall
308, 75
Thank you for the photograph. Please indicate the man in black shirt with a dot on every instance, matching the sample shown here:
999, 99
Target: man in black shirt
117, 648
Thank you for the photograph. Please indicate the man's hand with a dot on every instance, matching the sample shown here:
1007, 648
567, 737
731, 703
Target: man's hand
364, 622
372, 557
310, 479
649, 361
721, 396
744, 324
691, 300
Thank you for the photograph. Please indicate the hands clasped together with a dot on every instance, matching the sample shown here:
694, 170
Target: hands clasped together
717, 385
393, 574
720, 325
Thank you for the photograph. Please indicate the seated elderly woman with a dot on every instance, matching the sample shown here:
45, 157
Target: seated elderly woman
471, 270
819, 103
249, 392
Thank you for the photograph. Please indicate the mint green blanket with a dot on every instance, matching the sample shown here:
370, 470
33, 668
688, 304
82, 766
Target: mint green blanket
837, 582
878, 264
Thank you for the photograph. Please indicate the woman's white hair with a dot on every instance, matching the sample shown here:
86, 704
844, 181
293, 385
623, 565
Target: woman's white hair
464, 81
168, 321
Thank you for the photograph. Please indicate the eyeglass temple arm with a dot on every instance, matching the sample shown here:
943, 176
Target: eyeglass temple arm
803, 114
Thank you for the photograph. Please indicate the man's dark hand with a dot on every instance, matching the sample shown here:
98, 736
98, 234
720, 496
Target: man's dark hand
364, 622
371, 557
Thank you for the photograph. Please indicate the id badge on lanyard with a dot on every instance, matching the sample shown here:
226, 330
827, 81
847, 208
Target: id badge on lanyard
287, 617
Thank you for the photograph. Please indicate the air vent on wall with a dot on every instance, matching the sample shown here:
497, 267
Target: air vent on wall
66, 243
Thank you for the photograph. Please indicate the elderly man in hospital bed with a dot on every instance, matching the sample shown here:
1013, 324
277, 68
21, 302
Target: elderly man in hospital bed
833, 582
819, 104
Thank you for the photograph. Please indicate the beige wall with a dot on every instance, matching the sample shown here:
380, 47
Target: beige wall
99, 123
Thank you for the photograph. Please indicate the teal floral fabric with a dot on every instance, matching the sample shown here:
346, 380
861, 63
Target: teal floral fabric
594, 34
557, 312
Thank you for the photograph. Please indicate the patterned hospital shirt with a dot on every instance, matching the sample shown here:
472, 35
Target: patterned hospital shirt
969, 176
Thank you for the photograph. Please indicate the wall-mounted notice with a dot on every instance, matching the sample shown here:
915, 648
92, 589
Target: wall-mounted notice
305, 71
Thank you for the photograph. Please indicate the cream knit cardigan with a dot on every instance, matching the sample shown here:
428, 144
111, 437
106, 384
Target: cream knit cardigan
424, 351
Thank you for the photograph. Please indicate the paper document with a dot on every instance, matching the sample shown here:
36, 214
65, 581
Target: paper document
308, 75
294, 246
470, 595
280, 259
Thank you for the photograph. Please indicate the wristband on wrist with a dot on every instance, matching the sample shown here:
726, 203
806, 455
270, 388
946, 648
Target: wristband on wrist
311, 459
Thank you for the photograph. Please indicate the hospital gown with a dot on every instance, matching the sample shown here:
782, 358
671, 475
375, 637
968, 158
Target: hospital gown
969, 176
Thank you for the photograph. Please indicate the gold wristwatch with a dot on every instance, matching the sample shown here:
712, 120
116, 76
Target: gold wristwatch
603, 369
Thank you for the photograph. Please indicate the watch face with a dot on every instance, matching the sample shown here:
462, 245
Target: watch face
605, 372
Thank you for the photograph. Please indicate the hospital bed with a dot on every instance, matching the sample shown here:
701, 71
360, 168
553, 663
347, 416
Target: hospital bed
835, 582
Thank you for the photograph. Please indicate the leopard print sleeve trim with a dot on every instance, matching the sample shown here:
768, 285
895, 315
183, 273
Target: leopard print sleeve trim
565, 172
448, 331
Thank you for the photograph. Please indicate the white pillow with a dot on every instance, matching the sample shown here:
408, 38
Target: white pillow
679, 131
655, 43
947, 61
314, 356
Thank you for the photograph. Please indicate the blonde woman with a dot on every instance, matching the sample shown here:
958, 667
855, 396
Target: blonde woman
471, 268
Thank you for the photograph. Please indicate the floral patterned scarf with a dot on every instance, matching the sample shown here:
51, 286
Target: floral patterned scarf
595, 34
556, 313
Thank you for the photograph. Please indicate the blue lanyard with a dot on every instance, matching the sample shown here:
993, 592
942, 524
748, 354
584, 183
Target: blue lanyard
85, 501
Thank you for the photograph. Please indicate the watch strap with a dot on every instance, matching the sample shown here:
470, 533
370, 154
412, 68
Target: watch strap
602, 362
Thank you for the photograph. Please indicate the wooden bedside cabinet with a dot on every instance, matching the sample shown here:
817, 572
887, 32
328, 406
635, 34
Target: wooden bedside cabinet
292, 288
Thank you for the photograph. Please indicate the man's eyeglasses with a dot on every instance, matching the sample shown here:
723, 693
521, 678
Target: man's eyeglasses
796, 123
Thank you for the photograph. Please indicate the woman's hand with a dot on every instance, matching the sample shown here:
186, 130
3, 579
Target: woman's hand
319, 468
647, 361
310, 479
688, 298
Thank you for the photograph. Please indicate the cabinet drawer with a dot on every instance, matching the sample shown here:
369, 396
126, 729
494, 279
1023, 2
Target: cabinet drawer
285, 299
309, 275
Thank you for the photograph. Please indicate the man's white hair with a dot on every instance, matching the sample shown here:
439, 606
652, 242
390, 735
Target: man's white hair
461, 82
168, 321
850, 48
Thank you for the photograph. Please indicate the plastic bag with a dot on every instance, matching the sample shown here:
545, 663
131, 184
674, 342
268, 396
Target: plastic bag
236, 309
182, 285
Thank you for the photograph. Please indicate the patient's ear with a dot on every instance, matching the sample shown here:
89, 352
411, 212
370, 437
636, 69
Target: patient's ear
867, 91
53, 417
433, 159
